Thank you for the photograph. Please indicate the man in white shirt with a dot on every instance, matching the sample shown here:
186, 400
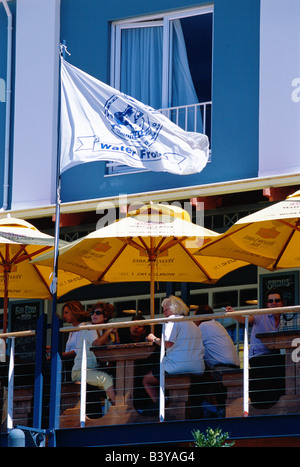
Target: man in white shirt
219, 347
220, 356
267, 366
184, 347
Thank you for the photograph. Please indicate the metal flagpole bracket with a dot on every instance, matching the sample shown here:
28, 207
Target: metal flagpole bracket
63, 49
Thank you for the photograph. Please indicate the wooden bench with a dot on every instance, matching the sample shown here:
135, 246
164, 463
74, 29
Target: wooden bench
70, 404
177, 390
233, 381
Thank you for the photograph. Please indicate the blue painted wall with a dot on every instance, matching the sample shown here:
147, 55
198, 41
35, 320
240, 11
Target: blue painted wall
86, 28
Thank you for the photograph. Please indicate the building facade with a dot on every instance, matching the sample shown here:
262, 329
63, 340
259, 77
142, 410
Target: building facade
213, 66
228, 68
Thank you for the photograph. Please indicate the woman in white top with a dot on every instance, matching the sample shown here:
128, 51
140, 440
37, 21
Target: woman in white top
184, 346
74, 314
95, 376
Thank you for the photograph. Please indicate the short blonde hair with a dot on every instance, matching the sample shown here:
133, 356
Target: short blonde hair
177, 306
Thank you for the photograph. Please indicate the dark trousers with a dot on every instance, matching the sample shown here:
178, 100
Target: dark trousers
266, 379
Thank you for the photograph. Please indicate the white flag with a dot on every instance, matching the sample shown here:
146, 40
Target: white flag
100, 123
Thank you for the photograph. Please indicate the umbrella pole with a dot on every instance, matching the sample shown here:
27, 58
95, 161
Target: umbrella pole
152, 292
152, 258
5, 302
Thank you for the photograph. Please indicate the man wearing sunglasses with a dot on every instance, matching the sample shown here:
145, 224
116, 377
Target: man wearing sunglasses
267, 372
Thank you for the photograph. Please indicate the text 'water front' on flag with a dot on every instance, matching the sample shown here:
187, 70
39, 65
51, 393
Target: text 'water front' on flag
99, 123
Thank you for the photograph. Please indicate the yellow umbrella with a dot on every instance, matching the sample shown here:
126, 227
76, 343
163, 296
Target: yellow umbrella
154, 243
20, 241
269, 238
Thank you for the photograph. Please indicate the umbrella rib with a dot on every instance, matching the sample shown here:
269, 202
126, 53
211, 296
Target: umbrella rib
131, 242
222, 236
157, 249
160, 243
172, 243
2, 258
112, 262
41, 277
136, 245
195, 261
18, 259
152, 250
283, 249
8, 262
294, 227
22, 248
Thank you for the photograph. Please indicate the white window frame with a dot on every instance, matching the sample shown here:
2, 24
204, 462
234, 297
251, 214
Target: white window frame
162, 19
159, 19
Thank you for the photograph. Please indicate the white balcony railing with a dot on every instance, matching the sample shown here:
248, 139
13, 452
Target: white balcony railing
237, 398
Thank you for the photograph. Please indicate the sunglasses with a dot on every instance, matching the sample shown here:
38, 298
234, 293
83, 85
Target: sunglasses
275, 300
97, 312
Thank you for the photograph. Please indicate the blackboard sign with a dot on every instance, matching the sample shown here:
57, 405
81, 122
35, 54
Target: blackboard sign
23, 317
288, 283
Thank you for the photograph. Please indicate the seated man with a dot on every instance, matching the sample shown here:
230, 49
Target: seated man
220, 351
133, 333
267, 367
184, 348
220, 355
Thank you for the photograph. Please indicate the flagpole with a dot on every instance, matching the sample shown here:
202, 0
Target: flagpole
56, 366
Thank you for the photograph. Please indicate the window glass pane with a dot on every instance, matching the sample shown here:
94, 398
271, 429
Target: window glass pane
124, 305
198, 299
225, 298
248, 297
141, 64
192, 58
186, 61
144, 306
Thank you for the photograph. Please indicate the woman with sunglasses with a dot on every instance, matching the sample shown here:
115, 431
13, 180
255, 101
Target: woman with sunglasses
95, 376
101, 313
267, 372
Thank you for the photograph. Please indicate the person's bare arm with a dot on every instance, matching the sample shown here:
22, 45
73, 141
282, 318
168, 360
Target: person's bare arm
102, 340
240, 319
157, 340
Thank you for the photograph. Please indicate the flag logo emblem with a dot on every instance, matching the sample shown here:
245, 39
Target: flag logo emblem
129, 122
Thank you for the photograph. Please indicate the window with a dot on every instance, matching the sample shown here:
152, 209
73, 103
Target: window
225, 298
166, 62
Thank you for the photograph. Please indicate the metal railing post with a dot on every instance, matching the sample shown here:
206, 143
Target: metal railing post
246, 371
10, 394
83, 383
162, 378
